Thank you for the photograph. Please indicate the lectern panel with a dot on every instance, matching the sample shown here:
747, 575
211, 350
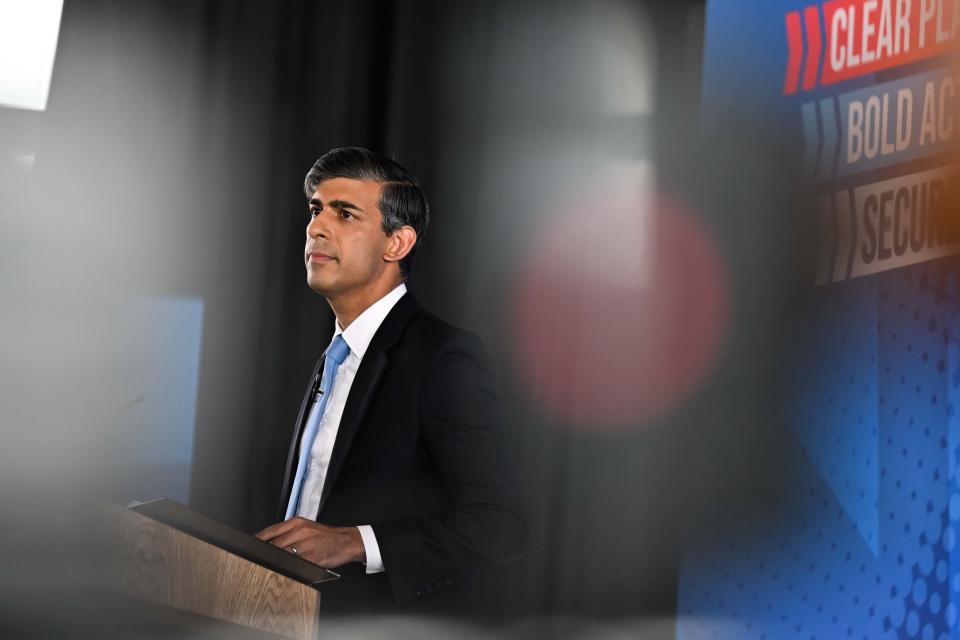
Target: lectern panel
162, 565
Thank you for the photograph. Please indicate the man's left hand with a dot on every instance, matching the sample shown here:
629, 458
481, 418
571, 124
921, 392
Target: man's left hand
329, 547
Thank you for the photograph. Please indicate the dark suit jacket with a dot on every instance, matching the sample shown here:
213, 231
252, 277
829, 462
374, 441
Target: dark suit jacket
419, 455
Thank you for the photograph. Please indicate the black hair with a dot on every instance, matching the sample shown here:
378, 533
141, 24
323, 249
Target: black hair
401, 201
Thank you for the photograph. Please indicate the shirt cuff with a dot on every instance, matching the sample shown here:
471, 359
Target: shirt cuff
372, 549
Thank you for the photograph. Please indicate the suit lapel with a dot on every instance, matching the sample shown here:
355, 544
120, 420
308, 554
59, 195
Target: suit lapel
294, 454
361, 393
364, 387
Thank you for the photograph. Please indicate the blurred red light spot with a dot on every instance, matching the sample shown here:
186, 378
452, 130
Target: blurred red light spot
608, 353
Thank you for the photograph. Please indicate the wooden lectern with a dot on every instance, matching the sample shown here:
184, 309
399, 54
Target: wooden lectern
192, 579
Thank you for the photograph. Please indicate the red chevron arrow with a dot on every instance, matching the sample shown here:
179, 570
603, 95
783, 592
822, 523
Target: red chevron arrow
811, 22
795, 49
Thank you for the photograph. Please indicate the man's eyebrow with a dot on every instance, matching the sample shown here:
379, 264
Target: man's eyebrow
343, 204
336, 204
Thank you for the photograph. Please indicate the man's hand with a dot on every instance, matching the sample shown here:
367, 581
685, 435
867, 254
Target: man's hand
329, 547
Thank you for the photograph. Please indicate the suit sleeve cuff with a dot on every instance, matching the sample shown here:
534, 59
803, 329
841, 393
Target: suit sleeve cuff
372, 549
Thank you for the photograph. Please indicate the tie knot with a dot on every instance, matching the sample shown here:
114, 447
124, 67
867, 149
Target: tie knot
338, 350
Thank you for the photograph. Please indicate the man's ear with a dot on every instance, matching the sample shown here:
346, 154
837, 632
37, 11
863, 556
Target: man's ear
400, 243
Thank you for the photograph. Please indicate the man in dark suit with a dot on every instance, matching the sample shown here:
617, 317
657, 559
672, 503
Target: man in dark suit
398, 475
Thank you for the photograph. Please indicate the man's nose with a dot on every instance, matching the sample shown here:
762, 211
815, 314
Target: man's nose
317, 227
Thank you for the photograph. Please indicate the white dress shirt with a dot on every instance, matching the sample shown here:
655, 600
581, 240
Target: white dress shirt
357, 336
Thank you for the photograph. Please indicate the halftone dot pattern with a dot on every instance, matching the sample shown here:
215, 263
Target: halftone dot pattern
865, 546
914, 485
947, 570
835, 413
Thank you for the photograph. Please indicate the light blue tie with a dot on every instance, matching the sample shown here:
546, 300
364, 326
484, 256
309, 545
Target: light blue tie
336, 353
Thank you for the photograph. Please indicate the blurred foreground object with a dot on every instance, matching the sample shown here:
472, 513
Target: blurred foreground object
608, 343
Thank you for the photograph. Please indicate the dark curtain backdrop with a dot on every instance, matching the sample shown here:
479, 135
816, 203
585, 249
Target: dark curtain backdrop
195, 122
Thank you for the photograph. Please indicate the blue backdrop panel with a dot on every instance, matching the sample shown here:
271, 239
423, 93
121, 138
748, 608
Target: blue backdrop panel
863, 543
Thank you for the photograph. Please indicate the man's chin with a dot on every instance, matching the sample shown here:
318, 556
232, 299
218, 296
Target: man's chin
319, 286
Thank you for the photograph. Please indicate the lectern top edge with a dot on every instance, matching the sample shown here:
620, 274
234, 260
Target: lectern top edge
182, 518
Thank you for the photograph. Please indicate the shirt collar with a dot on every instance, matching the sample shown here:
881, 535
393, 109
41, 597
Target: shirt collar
361, 331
